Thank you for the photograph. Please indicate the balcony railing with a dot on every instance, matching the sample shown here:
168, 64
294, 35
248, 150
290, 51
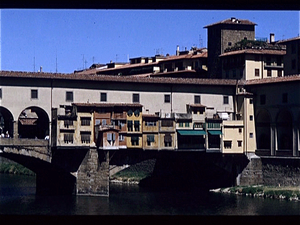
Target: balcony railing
273, 66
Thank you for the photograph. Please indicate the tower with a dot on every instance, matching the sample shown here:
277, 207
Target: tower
222, 35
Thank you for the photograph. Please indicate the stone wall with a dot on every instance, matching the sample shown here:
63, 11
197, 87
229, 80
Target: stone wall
271, 171
281, 172
252, 173
93, 174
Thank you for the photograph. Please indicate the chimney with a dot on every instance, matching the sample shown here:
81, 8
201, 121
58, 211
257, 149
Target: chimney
233, 19
177, 50
41, 69
272, 38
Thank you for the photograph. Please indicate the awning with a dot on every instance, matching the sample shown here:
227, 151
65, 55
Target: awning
191, 132
215, 132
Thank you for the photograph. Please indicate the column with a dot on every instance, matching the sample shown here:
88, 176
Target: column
15, 129
295, 139
273, 132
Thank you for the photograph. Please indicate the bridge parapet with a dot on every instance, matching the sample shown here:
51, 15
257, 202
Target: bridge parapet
28, 147
12, 142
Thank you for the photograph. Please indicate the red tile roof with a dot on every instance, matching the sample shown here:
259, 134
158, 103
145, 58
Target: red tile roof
128, 65
255, 51
123, 79
230, 21
197, 105
288, 40
151, 115
101, 105
270, 80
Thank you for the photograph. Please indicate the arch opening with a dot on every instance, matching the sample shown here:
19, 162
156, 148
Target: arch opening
284, 125
263, 132
33, 122
6, 122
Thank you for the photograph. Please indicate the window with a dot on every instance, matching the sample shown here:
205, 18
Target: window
150, 123
167, 98
251, 117
240, 130
262, 99
227, 144
225, 100
168, 140
229, 43
279, 73
180, 124
103, 122
121, 137
111, 137
233, 73
85, 121
257, 72
68, 123
134, 140
284, 98
186, 124
251, 135
167, 123
197, 99
68, 138
69, 96
269, 74
34, 94
129, 125
137, 125
251, 101
85, 137
136, 98
0, 93
130, 113
150, 139
239, 143
103, 97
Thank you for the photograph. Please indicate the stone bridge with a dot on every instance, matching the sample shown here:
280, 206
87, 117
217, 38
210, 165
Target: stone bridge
59, 173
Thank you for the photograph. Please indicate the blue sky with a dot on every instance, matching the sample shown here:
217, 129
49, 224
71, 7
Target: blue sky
78, 38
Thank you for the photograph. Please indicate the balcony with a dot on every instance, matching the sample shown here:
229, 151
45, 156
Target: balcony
198, 117
186, 116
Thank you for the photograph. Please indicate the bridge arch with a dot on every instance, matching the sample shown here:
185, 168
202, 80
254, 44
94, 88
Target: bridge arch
263, 130
284, 124
6, 121
33, 122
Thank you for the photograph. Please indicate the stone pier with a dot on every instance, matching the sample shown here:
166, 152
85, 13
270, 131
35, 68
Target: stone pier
93, 174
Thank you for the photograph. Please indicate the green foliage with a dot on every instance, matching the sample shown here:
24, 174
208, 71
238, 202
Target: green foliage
14, 168
136, 172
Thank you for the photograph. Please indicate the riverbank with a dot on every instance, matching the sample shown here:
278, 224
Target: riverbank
10, 167
287, 193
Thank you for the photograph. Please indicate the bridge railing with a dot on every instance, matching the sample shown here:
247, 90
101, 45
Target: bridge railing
11, 142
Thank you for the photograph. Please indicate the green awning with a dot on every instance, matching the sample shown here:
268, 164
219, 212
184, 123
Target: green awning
191, 132
215, 132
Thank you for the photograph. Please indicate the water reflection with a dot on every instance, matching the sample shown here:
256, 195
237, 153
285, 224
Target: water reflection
17, 197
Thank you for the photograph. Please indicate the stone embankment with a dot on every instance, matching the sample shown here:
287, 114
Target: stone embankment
287, 193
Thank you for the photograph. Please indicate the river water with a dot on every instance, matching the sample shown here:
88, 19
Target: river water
17, 197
